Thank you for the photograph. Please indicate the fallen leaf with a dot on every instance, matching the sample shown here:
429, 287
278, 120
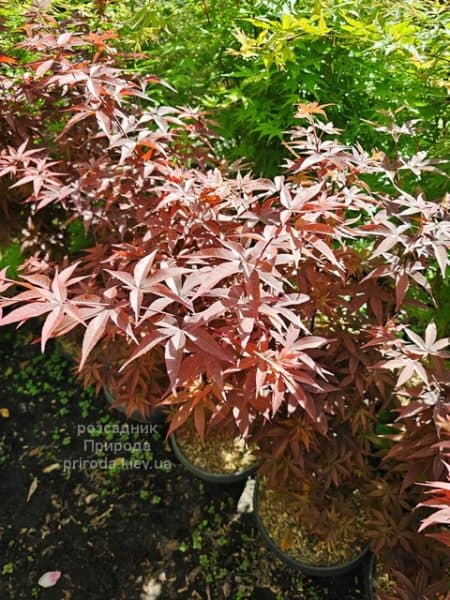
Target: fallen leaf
171, 546
36, 451
286, 542
4, 412
7, 60
50, 468
33, 488
152, 590
49, 579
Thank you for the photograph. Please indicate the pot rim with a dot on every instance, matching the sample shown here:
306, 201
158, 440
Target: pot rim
369, 574
312, 570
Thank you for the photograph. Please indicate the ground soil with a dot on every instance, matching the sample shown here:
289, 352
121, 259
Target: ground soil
116, 534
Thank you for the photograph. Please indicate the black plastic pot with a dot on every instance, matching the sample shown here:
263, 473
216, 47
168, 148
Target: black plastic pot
221, 478
157, 416
312, 570
369, 574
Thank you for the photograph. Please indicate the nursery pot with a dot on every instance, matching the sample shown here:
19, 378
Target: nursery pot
157, 416
208, 476
369, 574
307, 569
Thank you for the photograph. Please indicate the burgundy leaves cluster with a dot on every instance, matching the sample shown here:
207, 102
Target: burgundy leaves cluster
277, 305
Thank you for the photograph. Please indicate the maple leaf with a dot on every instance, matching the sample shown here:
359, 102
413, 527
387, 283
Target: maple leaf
141, 283
7, 60
428, 346
49, 297
312, 108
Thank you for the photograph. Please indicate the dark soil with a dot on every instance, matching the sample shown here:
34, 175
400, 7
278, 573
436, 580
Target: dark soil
115, 533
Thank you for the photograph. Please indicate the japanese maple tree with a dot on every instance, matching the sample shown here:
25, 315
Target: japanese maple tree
279, 306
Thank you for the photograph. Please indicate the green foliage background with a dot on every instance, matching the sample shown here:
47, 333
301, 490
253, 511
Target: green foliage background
250, 61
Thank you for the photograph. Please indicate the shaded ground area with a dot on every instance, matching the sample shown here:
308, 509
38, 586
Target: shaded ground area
114, 533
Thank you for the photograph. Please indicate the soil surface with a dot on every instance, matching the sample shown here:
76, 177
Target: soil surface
113, 511
218, 455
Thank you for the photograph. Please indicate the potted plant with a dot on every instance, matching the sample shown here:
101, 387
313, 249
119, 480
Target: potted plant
408, 564
407, 587
277, 298
367, 316
211, 449
79, 96
407, 577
